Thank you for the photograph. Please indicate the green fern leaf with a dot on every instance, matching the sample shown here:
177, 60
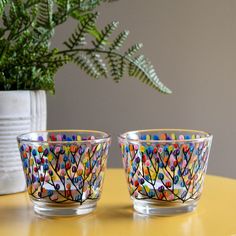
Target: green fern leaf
142, 69
105, 34
98, 63
114, 70
62, 12
134, 49
78, 37
45, 9
119, 41
86, 65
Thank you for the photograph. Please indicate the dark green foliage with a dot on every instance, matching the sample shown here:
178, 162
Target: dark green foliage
28, 62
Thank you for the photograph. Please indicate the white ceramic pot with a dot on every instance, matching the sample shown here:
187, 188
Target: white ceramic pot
20, 112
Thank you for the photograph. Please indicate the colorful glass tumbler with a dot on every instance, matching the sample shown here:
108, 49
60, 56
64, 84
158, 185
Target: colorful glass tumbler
165, 169
64, 170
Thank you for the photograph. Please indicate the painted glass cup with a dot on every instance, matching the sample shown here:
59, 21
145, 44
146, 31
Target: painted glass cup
64, 170
165, 169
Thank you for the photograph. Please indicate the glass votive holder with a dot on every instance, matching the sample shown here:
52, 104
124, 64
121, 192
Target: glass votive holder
64, 169
165, 168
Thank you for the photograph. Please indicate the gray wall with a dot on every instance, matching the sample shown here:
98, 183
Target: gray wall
193, 46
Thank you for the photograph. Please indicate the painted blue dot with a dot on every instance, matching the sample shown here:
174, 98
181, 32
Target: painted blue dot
45, 167
143, 137
176, 179
187, 137
141, 181
155, 137
62, 166
45, 152
161, 165
166, 149
50, 193
68, 139
22, 148
25, 164
40, 138
127, 149
34, 152
151, 193
81, 150
160, 176
65, 158
150, 149
176, 152
57, 186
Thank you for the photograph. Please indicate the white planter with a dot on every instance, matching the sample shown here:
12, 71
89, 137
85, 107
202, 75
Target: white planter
20, 112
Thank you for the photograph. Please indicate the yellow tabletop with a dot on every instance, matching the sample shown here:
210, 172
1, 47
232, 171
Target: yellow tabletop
215, 214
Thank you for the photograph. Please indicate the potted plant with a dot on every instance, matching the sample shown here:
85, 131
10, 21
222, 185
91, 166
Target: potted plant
28, 66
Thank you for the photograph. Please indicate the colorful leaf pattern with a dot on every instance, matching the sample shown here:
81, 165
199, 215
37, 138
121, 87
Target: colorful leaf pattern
64, 172
165, 171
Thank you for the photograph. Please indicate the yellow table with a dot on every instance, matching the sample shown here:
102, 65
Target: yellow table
215, 215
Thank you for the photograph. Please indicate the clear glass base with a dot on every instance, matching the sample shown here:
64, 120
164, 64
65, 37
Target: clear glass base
160, 208
51, 210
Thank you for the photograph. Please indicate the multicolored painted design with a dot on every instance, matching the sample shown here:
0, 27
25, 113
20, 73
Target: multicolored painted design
65, 168
164, 167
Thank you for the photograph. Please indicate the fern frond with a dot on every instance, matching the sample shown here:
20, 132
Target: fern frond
28, 62
78, 37
119, 40
62, 13
86, 65
142, 69
114, 70
105, 34
45, 14
133, 50
98, 63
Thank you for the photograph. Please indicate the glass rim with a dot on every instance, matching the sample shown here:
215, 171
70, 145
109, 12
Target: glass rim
107, 137
123, 136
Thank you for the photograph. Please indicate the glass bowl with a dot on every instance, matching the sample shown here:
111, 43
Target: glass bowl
165, 168
64, 169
